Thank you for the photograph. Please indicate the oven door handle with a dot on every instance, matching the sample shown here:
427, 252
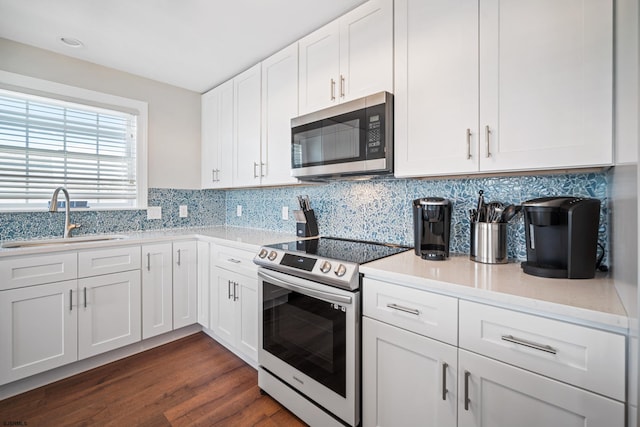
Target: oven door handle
307, 291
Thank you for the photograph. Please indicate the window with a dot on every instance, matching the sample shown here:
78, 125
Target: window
46, 143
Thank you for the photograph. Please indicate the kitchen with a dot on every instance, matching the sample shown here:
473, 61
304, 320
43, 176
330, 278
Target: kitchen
378, 210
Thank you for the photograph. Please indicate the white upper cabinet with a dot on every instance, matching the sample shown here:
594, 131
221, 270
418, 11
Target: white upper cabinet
246, 128
348, 58
217, 136
279, 106
502, 85
436, 99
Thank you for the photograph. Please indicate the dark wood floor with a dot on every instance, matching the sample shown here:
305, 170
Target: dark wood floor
190, 382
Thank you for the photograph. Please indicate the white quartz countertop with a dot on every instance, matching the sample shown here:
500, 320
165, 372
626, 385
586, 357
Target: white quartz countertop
592, 302
245, 238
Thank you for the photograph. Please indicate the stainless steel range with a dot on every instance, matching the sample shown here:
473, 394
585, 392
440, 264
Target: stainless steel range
309, 352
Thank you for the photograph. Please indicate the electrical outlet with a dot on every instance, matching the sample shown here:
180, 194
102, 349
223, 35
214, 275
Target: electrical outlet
154, 212
184, 212
239, 210
285, 213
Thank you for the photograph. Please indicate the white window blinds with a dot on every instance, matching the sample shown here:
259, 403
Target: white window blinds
47, 143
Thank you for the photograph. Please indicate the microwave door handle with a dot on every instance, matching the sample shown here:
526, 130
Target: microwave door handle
307, 291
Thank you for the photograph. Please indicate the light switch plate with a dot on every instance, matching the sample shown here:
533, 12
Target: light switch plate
239, 210
285, 213
154, 212
184, 212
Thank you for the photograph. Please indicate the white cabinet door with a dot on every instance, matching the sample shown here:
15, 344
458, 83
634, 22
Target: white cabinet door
157, 290
38, 329
217, 136
185, 284
436, 83
279, 106
366, 50
408, 379
203, 283
246, 293
502, 395
223, 314
109, 312
319, 68
546, 87
246, 127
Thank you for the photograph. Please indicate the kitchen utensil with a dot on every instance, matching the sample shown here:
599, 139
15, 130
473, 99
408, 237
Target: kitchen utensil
509, 212
481, 207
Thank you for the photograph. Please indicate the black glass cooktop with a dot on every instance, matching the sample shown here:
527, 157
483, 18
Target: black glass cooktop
356, 251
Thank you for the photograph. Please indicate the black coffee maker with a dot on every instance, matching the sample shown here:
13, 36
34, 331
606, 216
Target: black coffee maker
562, 237
431, 227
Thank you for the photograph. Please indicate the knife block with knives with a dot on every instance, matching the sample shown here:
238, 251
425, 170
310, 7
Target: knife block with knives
306, 224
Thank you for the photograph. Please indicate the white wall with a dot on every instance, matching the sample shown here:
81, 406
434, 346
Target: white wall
174, 113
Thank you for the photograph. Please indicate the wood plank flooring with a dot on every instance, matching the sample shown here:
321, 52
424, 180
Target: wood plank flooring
194, 381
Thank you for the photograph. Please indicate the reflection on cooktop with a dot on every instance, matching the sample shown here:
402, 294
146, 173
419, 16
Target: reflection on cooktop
355, 251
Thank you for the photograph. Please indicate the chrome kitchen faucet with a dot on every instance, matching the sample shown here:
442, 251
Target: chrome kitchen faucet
53, 207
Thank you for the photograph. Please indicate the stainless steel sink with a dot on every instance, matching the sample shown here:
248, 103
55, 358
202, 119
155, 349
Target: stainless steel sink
50, 242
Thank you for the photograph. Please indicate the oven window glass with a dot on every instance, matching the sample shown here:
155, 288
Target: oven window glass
306, 333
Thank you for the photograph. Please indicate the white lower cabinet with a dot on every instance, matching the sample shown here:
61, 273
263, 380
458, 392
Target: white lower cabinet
234, 308
32, 344
203, 283
494, 394
109, 312
157, 290
185, 275
407, 379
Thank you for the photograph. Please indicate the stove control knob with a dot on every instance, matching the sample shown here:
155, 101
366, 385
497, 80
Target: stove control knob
272, 255
263, 253
325, 267
341, 270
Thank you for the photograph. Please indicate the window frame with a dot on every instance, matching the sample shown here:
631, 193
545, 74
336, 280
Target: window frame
62, 92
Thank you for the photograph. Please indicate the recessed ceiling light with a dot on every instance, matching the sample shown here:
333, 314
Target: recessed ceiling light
71, 42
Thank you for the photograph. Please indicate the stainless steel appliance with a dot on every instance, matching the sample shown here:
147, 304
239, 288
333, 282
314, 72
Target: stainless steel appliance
347, 140
562, 237
431, 227
309, 325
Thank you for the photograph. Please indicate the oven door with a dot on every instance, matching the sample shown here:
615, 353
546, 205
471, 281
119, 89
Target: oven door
310, 339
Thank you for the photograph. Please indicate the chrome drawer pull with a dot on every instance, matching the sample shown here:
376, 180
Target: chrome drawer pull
405, 309
530, 344
467, 374
235, 261
444, 380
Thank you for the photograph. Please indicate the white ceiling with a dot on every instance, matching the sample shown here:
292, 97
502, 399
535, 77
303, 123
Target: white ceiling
193, 44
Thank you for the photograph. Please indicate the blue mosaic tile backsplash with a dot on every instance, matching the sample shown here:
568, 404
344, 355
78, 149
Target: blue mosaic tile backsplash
377, 210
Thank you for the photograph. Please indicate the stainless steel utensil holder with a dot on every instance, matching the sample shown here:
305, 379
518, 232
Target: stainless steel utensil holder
489, 242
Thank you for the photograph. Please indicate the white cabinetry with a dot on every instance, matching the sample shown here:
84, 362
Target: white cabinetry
185, 273
217, 136
204, 283
38, 329
279, 106
496, 367
234, 300
109, 312
492, 393
246, 128
542, 99
348, 58
157, 290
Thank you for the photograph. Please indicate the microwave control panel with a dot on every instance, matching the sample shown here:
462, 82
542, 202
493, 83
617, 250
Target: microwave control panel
375, 133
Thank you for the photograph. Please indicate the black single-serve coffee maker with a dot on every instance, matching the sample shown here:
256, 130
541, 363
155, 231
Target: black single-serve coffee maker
431, 227
562, 237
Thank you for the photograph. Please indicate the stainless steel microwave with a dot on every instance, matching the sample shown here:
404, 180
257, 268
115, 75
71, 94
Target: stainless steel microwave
349, 140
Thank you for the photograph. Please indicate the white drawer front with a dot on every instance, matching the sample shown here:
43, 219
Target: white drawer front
106, 261
425, 313
238, 260
17, 272
578, 355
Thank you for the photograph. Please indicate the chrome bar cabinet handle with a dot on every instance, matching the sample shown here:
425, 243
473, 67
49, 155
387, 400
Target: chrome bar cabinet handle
179, 256
228, 289
333, 90
467, 374
487, 132
444, 380
404, 309
148, 261
85, 297
255, 168
233, 260
468, 144
530, 344
341, 86
70, 299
